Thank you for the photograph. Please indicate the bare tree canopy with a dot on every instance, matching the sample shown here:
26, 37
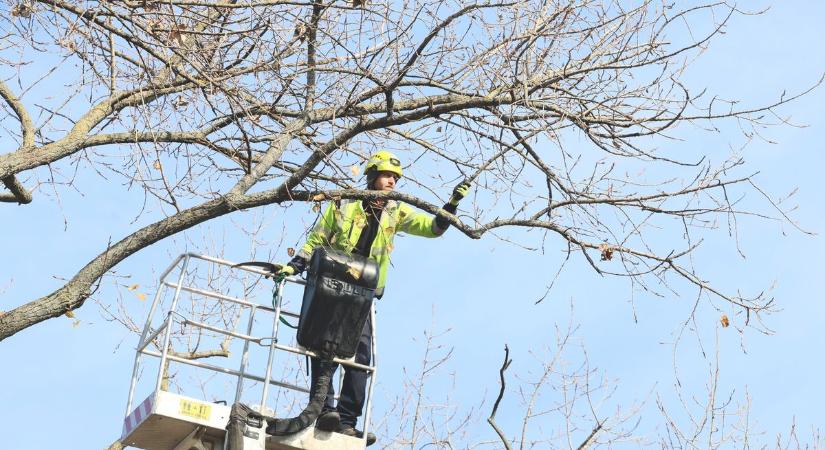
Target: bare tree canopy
549, 108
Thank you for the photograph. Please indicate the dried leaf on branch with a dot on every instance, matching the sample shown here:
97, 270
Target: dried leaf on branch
724, 321
606, 252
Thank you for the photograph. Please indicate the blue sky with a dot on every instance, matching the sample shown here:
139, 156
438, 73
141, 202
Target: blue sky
75, 379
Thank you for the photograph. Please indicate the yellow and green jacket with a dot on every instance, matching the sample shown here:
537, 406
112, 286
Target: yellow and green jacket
342, 222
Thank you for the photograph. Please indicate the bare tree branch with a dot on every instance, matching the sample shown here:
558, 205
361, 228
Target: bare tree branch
492, 419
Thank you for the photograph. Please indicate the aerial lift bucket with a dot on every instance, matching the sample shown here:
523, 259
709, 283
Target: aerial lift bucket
169, 421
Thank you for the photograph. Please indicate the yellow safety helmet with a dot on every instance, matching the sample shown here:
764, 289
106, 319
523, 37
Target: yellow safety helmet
382, 161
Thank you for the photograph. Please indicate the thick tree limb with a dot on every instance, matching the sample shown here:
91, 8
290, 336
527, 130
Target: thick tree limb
26, 124
19, 193
74, 293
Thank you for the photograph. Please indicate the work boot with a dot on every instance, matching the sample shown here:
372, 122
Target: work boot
328, 421
347, 430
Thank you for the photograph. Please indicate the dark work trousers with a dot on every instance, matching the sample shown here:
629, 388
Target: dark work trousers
354, 387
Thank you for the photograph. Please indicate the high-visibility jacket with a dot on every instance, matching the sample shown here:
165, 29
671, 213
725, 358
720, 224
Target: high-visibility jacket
342, 222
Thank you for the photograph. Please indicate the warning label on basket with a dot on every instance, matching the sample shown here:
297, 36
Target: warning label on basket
195, 410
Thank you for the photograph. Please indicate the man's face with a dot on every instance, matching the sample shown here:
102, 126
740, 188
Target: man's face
385, 181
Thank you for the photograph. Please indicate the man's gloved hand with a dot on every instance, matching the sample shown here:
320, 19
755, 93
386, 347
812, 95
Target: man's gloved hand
286, 271
459, 192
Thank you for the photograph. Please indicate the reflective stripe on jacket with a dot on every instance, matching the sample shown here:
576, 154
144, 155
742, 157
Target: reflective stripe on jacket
341, 224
